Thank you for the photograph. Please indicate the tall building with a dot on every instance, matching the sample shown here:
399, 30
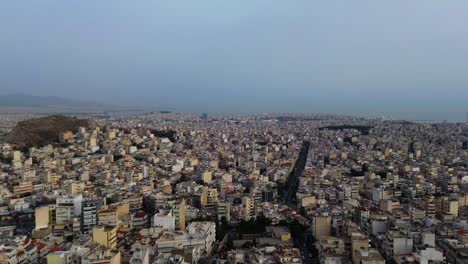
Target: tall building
23, 189
76, 187
207, 176
105, 236
203, 231
108, 217
450, 206
224, 210
358, 242
209, 197
249, 207
89, 216
178, 211
16, 160
64, 214
396, 243
269, 195
139, 220
199, 236
164, 219
16, 156
144, 171
52, 214
321, 226
331, 250
67, 207
42, 216
430, 207
71, 201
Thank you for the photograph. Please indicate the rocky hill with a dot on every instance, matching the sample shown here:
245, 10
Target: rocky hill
45, 130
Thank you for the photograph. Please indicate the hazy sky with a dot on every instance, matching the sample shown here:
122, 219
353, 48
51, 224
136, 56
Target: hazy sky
400, 58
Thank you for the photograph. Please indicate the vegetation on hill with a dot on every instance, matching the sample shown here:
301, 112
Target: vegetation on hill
170, 134
44, 130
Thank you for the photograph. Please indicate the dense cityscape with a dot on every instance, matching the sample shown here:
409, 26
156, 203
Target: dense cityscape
233, 132
174, 188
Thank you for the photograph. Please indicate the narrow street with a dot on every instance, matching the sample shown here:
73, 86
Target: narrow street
293, 181
305, 242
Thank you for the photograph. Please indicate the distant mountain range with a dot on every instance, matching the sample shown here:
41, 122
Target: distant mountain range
23, 102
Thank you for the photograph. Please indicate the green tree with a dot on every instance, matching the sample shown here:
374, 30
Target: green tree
230, 243
221, 228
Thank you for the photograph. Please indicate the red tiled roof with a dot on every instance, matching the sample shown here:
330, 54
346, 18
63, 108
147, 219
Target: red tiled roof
40, 246
140, 214
106, 211
54, 249
122, 232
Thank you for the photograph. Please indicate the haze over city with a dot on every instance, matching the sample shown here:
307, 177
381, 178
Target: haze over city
398, 59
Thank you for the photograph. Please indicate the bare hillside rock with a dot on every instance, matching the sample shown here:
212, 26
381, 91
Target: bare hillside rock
41, 131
